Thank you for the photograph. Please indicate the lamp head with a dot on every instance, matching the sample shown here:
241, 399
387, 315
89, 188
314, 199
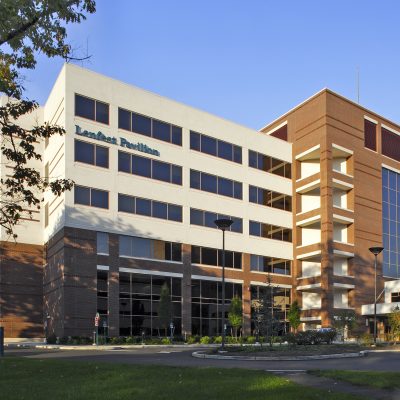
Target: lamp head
223, 223
375, 250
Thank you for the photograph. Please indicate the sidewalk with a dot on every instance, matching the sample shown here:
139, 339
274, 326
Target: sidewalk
331, 385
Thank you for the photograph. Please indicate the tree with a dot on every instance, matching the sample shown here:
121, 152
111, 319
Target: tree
165, 308
345, 321
293, 315
28, 27
394, 323
235, 314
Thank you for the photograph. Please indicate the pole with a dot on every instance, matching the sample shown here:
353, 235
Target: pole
375, 303
223, 291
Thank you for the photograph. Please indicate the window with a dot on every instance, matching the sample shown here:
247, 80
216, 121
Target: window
147, 126
210, 256
390, 144
269, 164
369, 134
149, 168
89, 153
391, 223
151, 208
132, 246
270, 231
395, 297
102, 297
91, 197
269, 198
215, 147
139, 303
102, 243
270, 265
91, 109
207, 218
215, 184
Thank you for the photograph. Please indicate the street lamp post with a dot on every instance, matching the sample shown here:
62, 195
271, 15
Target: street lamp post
223, 224
375, 251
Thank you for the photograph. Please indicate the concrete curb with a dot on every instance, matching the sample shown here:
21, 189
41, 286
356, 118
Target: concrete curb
198, 354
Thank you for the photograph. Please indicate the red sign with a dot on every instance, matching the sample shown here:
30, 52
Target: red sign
96, 320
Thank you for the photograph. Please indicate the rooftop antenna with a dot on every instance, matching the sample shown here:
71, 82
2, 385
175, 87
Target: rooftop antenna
358, 85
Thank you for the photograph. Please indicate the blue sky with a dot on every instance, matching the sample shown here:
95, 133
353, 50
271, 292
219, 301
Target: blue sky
247, 61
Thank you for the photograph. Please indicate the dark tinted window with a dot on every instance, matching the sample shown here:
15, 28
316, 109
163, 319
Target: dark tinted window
209, 219
84, 107
174, 213
161, 171
196, 217
102, 112
237, 154
237, 190
141, 124
141, 166
161, 131
208, 145
176, 174
143, 206
160, 210
84, 152
369, 135
126, 203
102, 156
254, 228
194, 141
253, 194
209, 183
209, 256
124, 119
176, 135
124, 162
252, 159
390, 144
225, 150
195, 255
82, 195
99, 198
269, 164
194, 179
225, 187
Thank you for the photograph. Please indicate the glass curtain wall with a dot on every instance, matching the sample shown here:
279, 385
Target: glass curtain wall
140, 302
206, 306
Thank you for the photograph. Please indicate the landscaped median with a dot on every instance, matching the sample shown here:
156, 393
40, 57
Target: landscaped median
37, 379
284, 352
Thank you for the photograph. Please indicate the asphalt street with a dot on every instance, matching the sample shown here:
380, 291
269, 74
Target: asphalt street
379, 361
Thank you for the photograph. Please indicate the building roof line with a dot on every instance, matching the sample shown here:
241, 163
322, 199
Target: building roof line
327, 90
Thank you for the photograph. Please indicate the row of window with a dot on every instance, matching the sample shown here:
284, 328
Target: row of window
98, 111
136, 205
270, 164
215, 184
92, 154
207, 218
270, 265
149, 168
210, 256
132, 246
270, 198
150, 208
270, 231
151, 127
215, 147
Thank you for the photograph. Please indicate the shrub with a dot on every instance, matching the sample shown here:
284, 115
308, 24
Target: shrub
117, 340
218, 339
251, 339
205, 340
52, 339
327, 335
131, 340
231, 340
166, 341
290, 338
191, 340
366, 339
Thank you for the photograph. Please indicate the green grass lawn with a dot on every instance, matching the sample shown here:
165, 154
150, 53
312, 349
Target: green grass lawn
22, 378
381, 380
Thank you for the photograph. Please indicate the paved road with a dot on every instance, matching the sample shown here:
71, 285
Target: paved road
382, 361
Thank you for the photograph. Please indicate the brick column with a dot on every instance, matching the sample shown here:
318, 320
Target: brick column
113, 286
246, 295
187, 290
